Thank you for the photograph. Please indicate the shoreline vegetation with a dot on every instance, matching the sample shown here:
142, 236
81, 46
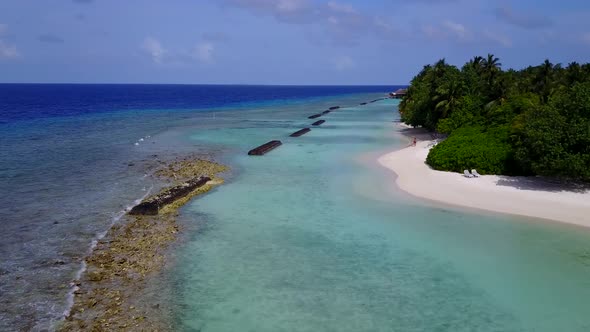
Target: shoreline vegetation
516, 195
531, 122
527, 132
133, 251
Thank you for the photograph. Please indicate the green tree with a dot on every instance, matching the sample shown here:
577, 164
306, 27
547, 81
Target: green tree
447, 96
533, 121
554, 139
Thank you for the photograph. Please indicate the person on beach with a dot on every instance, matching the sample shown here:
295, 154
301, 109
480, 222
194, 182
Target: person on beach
414, 141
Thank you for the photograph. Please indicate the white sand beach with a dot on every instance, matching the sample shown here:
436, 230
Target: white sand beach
525, 196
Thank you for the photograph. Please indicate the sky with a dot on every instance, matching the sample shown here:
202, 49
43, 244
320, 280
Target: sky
299, 42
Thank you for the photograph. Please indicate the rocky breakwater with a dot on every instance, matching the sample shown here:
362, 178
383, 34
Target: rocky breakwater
111, 294
153, 205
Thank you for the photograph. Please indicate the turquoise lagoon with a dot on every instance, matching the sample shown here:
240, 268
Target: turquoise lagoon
314, 237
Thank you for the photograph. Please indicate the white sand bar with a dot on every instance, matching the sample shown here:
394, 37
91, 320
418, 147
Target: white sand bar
532, 197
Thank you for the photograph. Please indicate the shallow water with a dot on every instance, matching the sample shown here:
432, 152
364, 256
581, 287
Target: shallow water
69, 166
310, 238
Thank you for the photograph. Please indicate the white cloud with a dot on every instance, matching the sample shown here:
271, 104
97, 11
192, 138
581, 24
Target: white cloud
343, 62
526, 20
290, 6
456, 29
447, 30
7, 51
215, 36
381, 24
154, 48
341, 8
333, 20
293, 11
204, 52
498, 38
384, 29
342, 22
431, 32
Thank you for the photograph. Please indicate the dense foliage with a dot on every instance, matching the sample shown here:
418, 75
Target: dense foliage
484, 149
535, 121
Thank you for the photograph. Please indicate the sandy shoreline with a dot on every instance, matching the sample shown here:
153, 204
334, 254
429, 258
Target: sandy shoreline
524, 196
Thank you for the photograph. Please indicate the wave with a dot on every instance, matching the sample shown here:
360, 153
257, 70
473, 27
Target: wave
99, 236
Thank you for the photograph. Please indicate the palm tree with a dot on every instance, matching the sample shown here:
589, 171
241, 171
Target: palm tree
491, 65
574, 73
544, 77
491, 68
476, 63
439, 68
447, 97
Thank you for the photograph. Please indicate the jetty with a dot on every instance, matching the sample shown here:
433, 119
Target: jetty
300, 132
317, 123
314, 116
264, 148
334, 108
152, 205
398, 94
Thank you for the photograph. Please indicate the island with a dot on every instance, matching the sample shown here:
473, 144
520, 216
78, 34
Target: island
508, 141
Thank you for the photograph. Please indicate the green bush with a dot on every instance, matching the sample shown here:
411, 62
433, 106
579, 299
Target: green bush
474, 148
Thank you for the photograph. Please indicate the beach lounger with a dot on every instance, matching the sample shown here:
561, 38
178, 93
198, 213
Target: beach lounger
474, 173
467, 174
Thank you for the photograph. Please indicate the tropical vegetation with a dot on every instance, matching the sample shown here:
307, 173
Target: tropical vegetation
534, 121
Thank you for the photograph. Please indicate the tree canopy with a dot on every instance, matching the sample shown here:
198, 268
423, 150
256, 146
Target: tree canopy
534, 121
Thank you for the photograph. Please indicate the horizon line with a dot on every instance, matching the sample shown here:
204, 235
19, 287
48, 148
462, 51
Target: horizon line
209, 84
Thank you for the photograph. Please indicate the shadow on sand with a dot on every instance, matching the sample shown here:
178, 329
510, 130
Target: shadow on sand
543, 184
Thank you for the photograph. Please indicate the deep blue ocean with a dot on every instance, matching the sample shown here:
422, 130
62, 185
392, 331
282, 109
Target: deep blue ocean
34, 101
73, 157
